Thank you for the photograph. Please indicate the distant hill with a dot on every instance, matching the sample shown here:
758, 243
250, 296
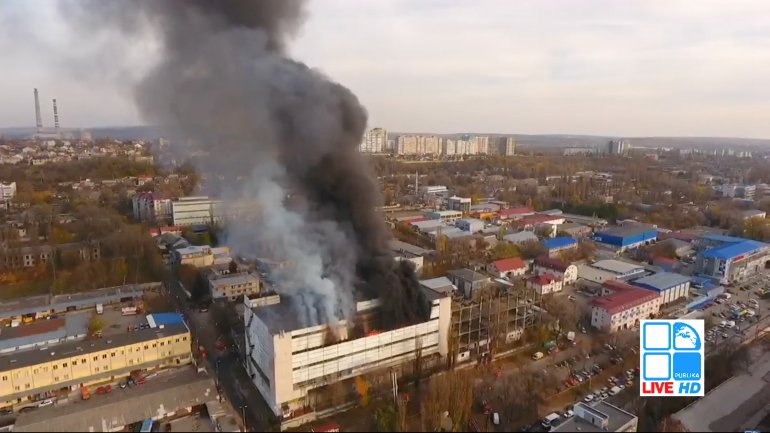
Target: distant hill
120, 133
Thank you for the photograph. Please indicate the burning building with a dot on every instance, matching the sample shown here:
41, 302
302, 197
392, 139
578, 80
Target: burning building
287, 360
269, 128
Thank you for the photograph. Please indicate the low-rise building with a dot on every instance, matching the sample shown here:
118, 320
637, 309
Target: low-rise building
575, 230
151, 206
194, 255
521, 237
626, 237
233, 286
468, 281
188, 211
471, 225
623, 307
609, 269
559, 244
728, 259
461, 204
545, 283
669, 286
515, 213
507, 268
598, 417
29, 256
446, 216
26, 376
548, 265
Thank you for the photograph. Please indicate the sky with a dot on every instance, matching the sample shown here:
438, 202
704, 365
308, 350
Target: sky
604, 67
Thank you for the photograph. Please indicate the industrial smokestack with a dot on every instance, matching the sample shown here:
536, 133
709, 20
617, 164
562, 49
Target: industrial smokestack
55, 116
38, 117
272, 128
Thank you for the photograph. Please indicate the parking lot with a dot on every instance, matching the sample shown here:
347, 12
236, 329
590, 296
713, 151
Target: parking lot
745, 297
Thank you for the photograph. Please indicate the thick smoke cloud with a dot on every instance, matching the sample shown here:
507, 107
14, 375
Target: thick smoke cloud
272, 128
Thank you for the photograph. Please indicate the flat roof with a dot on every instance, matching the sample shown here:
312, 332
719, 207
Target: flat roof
468, 275
228, 280
732, 404
616, 418
285, 316
43, 303
661, 281
616, 266
623, 300
37, 328
627, 230
75, 348
440, 284
169, 391
401, 246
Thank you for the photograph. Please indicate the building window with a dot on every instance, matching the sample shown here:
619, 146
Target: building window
74, 363
83, 361
154, 345
15, 388
177, 340
55, 367
112, 355
64, 365
96, 358
56, 379
27, 386
104, 356
146, 346
161, 344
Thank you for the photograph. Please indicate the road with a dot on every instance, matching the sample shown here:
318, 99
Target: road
229, 373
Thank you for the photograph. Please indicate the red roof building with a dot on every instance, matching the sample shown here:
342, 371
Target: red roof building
507, 267
624, 307
545, 283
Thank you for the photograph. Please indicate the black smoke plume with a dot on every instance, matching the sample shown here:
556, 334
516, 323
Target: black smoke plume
272, 127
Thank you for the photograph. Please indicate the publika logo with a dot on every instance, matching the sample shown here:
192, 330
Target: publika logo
672, 357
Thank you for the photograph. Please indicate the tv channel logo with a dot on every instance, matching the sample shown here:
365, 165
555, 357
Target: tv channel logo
671, 356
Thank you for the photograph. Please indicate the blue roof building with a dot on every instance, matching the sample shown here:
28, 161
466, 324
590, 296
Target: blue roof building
728, 259
627, 237
554, 245
668, 285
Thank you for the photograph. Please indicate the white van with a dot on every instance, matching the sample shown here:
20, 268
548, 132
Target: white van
546, 423
614, 390
99, 309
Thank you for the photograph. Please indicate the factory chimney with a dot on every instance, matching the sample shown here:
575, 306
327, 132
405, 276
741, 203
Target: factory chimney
55, 116
38, 118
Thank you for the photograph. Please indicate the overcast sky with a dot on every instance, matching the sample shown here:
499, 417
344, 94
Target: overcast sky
625, 68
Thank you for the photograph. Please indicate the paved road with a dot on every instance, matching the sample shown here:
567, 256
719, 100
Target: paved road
227, 368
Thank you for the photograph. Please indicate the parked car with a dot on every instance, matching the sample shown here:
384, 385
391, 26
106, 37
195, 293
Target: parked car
44, 403
569, 414
589, 398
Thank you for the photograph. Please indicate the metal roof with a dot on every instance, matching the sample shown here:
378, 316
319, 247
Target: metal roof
735, 249
42, 303
78, 348
168, 392
616, 266
627, 230
559, 242
661, 281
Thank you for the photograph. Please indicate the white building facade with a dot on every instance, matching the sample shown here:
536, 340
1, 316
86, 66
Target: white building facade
285, 364
187, 211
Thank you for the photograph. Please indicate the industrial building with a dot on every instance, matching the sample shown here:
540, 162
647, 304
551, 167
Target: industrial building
468, 281
521, 237
622, 306
548, 265
188, 211
728, 259
515, 213
470, 225
291, 364
460, 204
606, 270
446, 216
559, 244
24, 376
598, 416
669, 286
626, 237
492, 322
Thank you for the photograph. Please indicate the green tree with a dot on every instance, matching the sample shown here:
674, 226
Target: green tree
386, 418
95, 325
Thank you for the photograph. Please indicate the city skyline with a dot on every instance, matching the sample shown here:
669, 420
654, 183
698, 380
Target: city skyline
644, 69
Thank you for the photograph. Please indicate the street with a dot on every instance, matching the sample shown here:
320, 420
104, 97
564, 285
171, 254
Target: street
227, 369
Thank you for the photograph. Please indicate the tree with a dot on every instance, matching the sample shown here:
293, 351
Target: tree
233, 267
505, 250
386, 418
95, 325
451, 392
664, 249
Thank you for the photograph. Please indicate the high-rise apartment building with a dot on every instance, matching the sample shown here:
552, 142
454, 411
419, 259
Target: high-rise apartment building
419, 145
482, 144
375, 141
505, 146
618, 147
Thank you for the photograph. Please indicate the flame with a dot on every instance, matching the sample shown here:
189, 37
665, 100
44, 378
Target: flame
362, 386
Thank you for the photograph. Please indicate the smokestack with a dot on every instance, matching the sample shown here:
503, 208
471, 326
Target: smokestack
55, 116
38, 117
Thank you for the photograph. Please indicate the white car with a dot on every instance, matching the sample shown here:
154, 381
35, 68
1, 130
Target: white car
569, 414
44, 403
589, 398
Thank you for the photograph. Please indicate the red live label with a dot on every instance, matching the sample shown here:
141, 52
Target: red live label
657, 387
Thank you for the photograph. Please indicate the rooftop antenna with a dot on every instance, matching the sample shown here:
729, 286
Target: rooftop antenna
55, 116
38, 118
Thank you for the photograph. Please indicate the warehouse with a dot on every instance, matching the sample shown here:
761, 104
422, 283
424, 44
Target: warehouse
729, 259
605, 270
562, 243
669, 285
627, 237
